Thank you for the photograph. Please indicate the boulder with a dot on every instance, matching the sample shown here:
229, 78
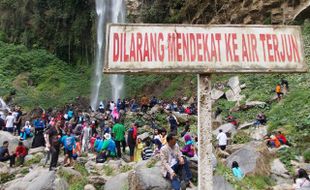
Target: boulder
13, 140
4, 168
233, 148
216, 94
144, 136
278, 168
255, 103
259, 133
232, 96
181, 117
156, 109
71, 172
61, 184
36, 150
39, 178
97, 180
245, 125
82, 160
283, 187
252, 158
149, 178
233, 82
227, 128
219, 182
89, 187
118, 182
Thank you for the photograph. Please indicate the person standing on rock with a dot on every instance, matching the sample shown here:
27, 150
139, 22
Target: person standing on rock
173, 122
69, 143
222, 139
118, 132
173, 164
54, 135
131, 142
86, 134
9, 122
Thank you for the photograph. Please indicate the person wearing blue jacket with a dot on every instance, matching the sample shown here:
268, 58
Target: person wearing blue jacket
69, 143
237, 171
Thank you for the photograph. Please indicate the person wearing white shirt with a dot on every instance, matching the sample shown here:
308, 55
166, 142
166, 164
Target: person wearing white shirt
9, 122
222, 138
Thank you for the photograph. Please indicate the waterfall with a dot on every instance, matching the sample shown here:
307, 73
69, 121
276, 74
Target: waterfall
107, 11
3, 105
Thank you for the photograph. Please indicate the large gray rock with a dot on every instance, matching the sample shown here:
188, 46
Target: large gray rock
150, 178
89, 187
4, 168
156, 109
39, 179
71, 171
233, 82
61, 184
118, 182
227, 128
216, 94
98, 180
13, 140
144, 136
278, 168
219, 183
252, 158
36, 150
259, 133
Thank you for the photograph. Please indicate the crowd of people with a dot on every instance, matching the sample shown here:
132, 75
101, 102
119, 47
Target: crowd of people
107, 137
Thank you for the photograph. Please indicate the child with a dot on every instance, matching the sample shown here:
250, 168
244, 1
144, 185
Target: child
189, 148
147, 151
77, 150
69, 143
237, 171
138, 150
21, 152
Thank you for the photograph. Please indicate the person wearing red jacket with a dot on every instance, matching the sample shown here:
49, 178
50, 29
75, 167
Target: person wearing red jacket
281, 138
21, 152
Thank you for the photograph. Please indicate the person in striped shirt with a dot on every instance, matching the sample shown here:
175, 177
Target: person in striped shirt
147, 151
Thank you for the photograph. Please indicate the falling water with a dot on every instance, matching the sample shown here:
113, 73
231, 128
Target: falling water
107, 11
118, 16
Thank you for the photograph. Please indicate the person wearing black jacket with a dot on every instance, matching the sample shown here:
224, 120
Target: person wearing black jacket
5, 155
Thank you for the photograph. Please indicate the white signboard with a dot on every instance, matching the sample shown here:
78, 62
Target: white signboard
145, 48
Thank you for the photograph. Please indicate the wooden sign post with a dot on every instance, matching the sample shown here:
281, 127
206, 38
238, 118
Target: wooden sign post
203, 49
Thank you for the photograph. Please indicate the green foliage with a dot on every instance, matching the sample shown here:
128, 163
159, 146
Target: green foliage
255, 182
151, 163
75, 182
241, 137
108, 170
286, 155
307, 155
81, 168
24, 171
125, 168
5, 177
35, 160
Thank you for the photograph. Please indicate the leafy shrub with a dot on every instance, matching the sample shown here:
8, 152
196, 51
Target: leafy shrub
241, 137
125, 168
307, 155
151, 163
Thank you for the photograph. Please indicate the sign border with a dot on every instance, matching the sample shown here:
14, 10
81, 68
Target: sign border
187, 70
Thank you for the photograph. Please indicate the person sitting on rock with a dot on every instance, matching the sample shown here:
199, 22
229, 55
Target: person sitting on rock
5, 155
260, 119
21, 153
189, 148
231, 119
281, 138
108, 149
302, 180
147, 152
273, 142
237, 171
173, 164
163, 137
